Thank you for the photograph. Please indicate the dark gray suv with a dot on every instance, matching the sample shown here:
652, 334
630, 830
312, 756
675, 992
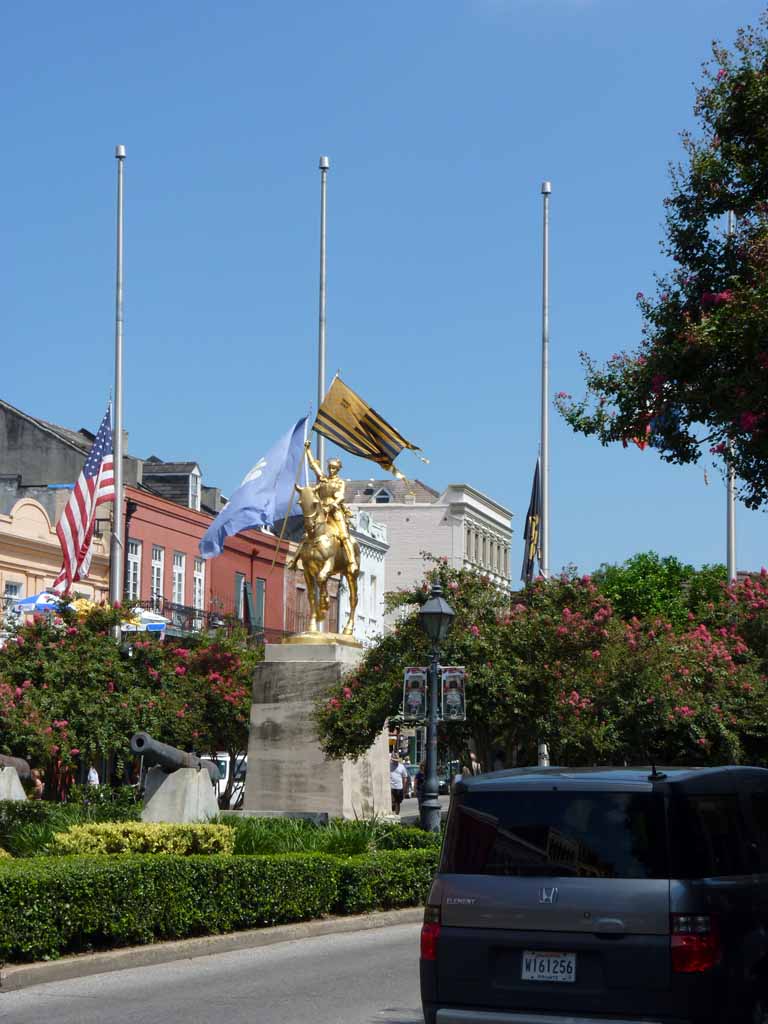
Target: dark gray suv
567, 896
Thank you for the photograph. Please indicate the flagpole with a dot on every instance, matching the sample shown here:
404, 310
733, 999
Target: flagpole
731, 482
117, 545
546, 189
324, 165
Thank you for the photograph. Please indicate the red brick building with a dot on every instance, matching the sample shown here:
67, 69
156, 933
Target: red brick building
164, 569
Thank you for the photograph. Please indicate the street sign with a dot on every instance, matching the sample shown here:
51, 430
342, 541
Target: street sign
415, 694
454, 705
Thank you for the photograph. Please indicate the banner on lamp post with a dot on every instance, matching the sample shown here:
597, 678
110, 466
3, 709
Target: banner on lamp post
415, 694
453, 702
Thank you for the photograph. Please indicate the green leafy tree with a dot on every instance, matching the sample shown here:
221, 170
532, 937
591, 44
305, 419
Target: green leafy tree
697, 382
649, 586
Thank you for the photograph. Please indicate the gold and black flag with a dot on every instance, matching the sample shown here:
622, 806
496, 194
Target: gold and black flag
353, 425
532, 535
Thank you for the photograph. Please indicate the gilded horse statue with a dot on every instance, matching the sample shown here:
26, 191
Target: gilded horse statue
326, 548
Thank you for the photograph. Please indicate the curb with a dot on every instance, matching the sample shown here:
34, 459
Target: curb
85, 964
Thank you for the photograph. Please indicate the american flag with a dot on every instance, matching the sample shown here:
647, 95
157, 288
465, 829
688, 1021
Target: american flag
95, 485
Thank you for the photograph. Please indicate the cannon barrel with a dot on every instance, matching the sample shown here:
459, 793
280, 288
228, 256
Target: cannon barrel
22, 767
167, 757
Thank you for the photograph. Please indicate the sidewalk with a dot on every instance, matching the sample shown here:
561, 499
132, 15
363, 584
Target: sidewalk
409, 811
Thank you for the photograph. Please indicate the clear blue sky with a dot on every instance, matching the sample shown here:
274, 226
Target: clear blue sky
441, 118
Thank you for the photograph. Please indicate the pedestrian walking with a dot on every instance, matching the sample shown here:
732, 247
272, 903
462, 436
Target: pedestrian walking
474, 765
397, 781
93, 776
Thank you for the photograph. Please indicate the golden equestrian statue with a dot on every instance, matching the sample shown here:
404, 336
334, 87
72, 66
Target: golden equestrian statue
326, 547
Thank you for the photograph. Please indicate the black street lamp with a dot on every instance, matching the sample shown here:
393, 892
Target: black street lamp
436, 618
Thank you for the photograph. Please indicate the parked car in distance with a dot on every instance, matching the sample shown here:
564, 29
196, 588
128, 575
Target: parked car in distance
623, 895
221, 760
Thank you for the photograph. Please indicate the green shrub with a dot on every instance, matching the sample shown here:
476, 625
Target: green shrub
339, 837
382, 881
51, 906
143, 837
119, 801
27, 827
394, 836
274, 835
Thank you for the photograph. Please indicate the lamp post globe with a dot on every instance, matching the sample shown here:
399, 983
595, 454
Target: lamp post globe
435, 618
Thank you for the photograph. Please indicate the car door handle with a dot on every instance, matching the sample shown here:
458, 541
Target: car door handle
610, 928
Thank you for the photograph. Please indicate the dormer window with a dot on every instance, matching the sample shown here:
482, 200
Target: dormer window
382, 497
194, 491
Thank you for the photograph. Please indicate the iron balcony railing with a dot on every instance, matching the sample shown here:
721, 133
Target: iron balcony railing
185, 619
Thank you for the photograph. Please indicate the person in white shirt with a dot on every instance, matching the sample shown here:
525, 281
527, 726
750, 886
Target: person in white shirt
93, 776
397, 777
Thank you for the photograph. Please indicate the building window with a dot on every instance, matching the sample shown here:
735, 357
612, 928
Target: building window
239, 594
374, 591
260, 596
382, 497
198, 585
485, 551
194, 491
133, 577
477, 548
158, 563
468, 545
506, 561
178, 577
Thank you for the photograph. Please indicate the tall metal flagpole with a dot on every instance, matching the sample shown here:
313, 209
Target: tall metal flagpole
546, 189
731, 485
116, 549
324, 165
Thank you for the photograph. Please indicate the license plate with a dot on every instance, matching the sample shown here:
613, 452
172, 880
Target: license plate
549, 966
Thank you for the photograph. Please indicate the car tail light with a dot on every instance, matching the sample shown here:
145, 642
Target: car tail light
695, 943
430, 933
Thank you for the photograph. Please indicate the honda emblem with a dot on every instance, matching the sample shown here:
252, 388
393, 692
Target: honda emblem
548, 895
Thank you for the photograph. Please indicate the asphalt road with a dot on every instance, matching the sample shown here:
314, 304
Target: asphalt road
368, 977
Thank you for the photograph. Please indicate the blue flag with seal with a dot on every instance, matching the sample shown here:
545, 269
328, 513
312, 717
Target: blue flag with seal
265, 495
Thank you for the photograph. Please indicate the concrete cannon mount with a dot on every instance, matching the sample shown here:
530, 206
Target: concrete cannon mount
185, 795
288, 773
10, 785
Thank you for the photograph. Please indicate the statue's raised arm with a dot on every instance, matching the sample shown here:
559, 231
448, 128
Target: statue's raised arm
314, 465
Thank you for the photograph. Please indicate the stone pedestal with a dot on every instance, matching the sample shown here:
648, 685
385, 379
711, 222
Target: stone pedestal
181, 796
288, 773
10, 785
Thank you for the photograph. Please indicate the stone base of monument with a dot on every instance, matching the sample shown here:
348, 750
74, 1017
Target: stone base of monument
10, 785
185, 795
288, 773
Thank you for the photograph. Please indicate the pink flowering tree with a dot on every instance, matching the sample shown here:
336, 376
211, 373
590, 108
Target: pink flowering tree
68, 694
557, 663
698, 382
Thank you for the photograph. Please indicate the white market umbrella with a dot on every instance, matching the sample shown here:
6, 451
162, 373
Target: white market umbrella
45, 601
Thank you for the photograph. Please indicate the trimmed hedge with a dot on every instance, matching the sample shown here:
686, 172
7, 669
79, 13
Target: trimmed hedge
143, 837
55, 905
383, 881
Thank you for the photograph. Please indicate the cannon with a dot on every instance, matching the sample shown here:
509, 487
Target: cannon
22, 767
170, 759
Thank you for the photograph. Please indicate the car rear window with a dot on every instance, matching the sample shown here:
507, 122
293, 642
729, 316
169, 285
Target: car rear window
708, 837
580, 834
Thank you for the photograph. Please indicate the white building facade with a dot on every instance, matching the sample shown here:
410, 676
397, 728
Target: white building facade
462, 525
371, 583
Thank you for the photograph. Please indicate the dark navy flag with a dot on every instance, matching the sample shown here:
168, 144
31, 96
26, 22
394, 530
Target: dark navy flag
265, 495
532, 534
